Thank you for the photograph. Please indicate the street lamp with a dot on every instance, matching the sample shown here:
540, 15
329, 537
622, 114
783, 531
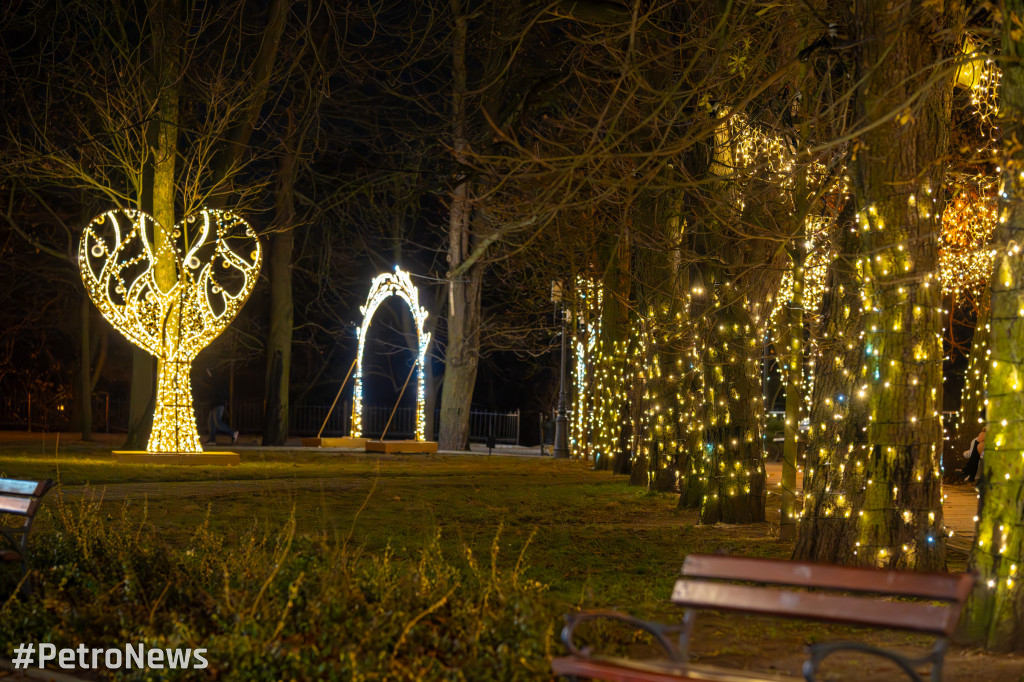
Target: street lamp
561, 420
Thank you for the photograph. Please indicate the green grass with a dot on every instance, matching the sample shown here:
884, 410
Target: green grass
309, 565
596, 540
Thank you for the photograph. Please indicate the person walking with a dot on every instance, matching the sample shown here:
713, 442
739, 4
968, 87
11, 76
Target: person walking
217, 423
974, 457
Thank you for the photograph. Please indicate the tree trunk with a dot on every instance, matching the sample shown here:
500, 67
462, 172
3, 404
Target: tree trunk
158, 200
279, 336
833, 482
613, 357
84, 371
174, 422
140, 402
793, 340
734, 475
897, 182
995, 612
461, 360
464, 289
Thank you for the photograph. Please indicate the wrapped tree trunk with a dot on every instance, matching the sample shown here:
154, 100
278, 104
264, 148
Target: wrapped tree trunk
995, 612
833, 475
734, 475
897, 177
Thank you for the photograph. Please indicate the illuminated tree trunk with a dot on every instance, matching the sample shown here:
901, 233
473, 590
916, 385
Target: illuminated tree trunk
692, 465
897, 180
995, 611
833, 475
735, 476
614, 357
174, 423
793, 341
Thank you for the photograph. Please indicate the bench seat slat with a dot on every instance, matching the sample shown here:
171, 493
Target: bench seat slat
917, 617
15, 487
622, 670
16, 505
806, 574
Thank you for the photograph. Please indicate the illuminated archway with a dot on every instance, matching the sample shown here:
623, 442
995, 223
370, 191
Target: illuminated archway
385, 285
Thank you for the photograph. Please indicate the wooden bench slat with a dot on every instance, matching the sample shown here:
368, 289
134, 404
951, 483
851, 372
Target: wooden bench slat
917, 617
639, 671
805, 574
15, 487
16, 505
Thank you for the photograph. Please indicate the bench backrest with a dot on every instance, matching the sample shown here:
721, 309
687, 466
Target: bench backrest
701, 587
21, 498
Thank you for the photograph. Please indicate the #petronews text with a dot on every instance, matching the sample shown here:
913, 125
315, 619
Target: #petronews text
132, 656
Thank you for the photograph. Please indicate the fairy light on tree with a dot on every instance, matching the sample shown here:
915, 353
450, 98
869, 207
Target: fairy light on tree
170, 293
968, 223
384, 286
994, 615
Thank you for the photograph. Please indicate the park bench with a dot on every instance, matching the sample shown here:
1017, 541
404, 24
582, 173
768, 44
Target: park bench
19, 499
927, 603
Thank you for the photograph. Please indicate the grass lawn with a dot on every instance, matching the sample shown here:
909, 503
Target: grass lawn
560, 534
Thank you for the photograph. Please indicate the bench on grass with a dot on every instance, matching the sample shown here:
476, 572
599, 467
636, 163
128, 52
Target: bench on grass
20, 499
928, 603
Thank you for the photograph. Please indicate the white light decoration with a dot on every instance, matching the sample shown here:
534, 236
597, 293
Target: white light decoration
383, 286
171, 294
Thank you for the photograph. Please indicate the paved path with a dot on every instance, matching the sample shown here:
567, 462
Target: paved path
959, 507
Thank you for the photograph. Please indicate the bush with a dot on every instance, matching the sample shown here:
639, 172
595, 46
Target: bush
276, 604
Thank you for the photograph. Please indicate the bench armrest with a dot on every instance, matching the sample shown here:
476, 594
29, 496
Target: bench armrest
660, 631
818, 653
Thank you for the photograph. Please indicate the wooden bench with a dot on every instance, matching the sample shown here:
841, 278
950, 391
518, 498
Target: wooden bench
710, 582
20, 499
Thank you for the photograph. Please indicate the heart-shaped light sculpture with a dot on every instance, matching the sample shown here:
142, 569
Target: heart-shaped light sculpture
170, 293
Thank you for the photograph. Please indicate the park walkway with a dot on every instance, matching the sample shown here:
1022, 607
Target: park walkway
958, 508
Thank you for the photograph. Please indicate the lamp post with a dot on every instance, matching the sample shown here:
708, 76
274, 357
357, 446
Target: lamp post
561, 448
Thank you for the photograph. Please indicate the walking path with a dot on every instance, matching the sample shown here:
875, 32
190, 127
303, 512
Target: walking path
958, 508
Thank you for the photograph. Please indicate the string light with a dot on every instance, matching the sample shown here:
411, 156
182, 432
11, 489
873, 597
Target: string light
171, 294
968, 223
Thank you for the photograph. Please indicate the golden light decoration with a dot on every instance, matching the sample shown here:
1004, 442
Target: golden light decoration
985, 99
170, 293
384, 286
968, 223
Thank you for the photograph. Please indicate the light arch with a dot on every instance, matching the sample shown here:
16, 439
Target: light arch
385, 285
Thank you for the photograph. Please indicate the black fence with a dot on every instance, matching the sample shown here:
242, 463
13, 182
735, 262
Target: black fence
110, 415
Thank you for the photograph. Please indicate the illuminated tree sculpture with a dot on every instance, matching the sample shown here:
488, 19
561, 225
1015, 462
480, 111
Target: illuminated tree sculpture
171, 294
384, 286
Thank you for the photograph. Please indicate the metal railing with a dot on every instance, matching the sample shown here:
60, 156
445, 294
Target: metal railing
504, 426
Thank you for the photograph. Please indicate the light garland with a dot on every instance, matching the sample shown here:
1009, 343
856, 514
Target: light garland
170, 294
968, 223
382, 287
